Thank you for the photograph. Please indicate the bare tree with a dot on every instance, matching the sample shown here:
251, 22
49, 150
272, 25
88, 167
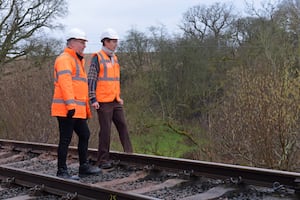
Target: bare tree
201, 21
261, 98
289, 15
136, 49
21, 20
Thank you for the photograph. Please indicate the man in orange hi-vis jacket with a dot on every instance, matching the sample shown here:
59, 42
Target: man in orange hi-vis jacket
104, 94
70, 104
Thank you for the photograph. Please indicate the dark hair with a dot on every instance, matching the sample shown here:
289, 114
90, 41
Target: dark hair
105, 39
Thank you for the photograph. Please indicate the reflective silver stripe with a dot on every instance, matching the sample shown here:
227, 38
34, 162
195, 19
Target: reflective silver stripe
77, 69
104, 61
76, 77
70, 101
104, 65
79, 79
108, 61
107, 79
80, 103
63, 72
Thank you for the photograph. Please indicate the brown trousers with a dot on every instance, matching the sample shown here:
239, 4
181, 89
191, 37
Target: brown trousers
108, 113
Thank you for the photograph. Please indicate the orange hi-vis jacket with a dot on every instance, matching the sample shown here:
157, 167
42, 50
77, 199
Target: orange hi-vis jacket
108, 81
70, 86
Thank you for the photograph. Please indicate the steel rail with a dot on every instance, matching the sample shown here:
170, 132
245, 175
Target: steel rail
60, 186
249, 175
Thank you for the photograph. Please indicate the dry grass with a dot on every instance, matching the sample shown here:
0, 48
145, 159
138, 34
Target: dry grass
26, 94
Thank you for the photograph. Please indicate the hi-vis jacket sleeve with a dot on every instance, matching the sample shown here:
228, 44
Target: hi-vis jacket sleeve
64, 80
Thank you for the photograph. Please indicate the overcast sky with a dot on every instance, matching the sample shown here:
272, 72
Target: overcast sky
93, 16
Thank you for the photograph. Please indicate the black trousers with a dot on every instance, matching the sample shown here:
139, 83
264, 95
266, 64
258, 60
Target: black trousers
66, 128
108, 113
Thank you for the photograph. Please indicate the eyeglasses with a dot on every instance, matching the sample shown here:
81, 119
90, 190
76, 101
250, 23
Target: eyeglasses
80, 41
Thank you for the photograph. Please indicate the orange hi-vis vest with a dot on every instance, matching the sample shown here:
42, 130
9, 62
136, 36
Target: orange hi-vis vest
108, 81
70, 86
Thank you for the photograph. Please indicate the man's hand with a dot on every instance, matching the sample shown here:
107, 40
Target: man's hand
96, 105
70, 113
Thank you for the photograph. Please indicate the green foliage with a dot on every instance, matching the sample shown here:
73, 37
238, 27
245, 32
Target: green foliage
162, 141
158, 139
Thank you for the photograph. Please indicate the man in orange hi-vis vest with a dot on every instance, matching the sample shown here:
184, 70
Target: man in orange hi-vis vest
70, 104
104, 94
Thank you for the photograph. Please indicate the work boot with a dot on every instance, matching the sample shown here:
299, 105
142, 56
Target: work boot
106, 165
86, 169
63, 173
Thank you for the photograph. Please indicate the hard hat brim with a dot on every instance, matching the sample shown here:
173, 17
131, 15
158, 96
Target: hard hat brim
77, 39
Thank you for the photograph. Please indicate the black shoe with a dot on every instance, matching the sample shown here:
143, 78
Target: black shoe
87, 169
62, 173
106, 165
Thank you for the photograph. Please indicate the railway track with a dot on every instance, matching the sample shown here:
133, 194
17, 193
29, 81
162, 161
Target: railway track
33, 166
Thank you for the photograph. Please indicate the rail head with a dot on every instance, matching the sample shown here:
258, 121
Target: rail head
260, 176
62, 186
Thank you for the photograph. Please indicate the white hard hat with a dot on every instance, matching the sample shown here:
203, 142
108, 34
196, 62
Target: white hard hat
110, 34
76, 33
